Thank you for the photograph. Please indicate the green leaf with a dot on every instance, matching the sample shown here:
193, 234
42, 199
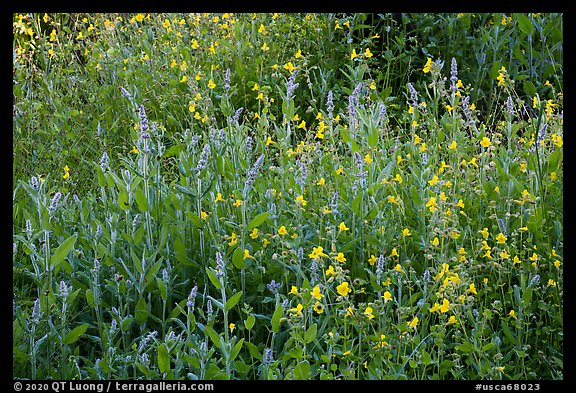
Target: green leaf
213, 336
90, 297
554, 159
232, 301
253, 349
508, 333
163, 358
529, 88
141, 314
302, 370
141, 200
276, 319
123, 200
236, 350
162, 288
73, 335
372, 137
194, 219
524, 23
172, 151
238, 259
249, 323
527, 296
310, 334
62, 251
465, 347
356, 204
212, 276
181, 253
256, 221
426, 359
100, 174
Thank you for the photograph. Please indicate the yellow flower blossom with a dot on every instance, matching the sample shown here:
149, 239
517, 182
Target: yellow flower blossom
297, 311
294, 291
233, 239
387, 296
368, 313
340, 257
353, 55
445, 306
289, 66
343, 289
501, 238
330, 271
316, 294
427, 66
318, 308
431, 204
372, 260
247, 254
414, 322
300, 200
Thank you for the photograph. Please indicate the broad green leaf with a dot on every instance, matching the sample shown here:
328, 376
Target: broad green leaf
62, 251
162, 288
310, 334
196, 221
527, 296
141, 313
213, 336
232, 301
372, 137
213, 278
257, 221
276, 319
524, 23
172, 151
238, 259
141, 200
529, 88
356, 204
100, 174
163, 358
554, 159
249, 322
123, 200
426, 359
253, 349
302, 370
236, 350
508, 333
90, 297
73, 335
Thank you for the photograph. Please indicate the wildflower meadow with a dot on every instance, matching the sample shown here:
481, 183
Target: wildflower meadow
279, 196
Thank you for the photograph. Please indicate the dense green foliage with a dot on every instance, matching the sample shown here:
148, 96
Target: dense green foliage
288, 196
